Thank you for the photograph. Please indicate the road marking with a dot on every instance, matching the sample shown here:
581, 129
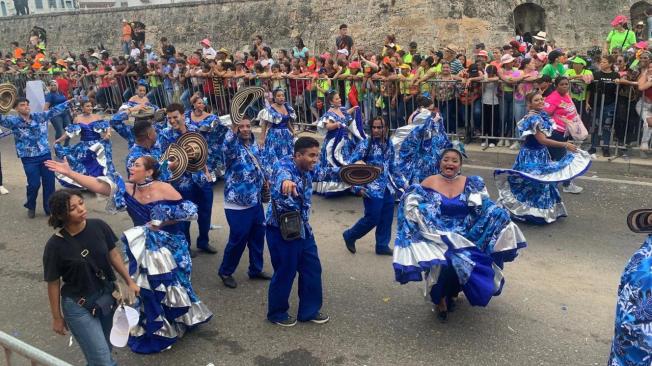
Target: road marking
596, 179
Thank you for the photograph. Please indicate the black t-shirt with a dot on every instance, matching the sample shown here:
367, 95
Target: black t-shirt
169, 50
344, 42
62, 259
603, 84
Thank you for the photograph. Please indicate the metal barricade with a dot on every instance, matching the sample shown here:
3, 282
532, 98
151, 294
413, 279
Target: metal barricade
13, 346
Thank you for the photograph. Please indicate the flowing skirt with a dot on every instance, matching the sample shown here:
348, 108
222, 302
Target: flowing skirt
159, 262
279, 143
92, 158
336, 148
529, 190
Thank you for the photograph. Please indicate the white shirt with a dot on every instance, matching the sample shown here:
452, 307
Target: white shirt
134, 53
208, 52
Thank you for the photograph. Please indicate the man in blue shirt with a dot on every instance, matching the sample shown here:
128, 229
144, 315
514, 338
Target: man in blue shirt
243, 203
59, 122
146, 143
195, 187
31, 138
291, 190
379, 194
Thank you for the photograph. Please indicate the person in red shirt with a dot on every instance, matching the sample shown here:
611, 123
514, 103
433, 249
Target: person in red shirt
63, 84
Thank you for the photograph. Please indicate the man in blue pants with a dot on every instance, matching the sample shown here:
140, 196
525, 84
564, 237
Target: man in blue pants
379, 194
31, 137
243, 204
291, 190
194, 187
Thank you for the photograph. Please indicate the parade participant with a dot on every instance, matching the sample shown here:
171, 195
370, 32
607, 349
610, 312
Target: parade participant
630, 345
158, 253
378, 195
31, 138
295, 250
336, 123
277, 139
449, 228
93, 154
243, 206
86, 278
193, 186
209, 126
529, 190
135, 105
420, 149
146, 144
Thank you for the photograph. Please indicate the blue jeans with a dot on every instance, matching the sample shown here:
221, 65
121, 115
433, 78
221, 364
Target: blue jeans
246, 229
607, 115
520, 109
507, 112
202, 196
36, 173
288, 258
59, 123
378, 213
91, 333
185, 99
126, 49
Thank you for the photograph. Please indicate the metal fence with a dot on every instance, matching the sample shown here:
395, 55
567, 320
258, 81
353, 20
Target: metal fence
33, 355
485, 111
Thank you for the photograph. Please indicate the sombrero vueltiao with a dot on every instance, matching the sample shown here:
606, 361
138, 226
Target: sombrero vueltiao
195, 146
175, 153
242, 100
639, 221
359, 174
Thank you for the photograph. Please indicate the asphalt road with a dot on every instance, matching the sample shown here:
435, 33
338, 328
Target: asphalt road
557, 306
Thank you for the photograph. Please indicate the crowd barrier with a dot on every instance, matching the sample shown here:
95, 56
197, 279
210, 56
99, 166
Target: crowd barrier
482, 111
35, 356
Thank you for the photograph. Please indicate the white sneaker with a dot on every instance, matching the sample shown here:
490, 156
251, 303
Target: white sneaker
515, 146
501, 143
572, 188
644, 147
3, 190
484, 144
492, 145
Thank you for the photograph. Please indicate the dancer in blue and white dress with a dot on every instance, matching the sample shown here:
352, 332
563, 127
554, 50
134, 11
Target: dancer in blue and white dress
449, 228
420, 143
159, 258
529, 190
343, 132
92, 155
213, 129
277, 139
135, 104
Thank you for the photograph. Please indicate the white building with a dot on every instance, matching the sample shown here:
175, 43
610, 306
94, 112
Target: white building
8, 7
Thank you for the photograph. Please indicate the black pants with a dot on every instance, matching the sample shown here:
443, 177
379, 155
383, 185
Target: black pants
557, 153
1, 169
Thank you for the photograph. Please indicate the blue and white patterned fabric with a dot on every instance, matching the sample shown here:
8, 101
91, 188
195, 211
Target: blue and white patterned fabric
159, 262
213, 131
91, 156
337, 145
136, 151
170, 135
279, 141
421, 144
380, 154
244, 175
131, 104
632, 343
118, 123
286, 169
31, 138
468, 232
529, 190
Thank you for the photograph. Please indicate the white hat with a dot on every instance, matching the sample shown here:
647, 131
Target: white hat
541, 36
124, 319
96, 55
343, 51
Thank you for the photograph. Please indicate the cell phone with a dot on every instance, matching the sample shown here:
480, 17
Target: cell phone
397, 71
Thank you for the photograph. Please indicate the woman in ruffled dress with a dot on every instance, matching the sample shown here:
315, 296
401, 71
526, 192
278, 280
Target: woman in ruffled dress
92, 155
449, 228
277, 133
529, 190
343, 132
159, 260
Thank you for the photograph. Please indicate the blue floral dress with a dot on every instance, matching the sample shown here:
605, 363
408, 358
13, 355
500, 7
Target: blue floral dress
461, 243
159, 262
279, 141
213, 129
529, 190
338, 145
420, 145
632, 343
92, 155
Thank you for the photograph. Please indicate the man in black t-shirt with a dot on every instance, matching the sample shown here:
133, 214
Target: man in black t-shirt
602, 93
167, 49
344, 41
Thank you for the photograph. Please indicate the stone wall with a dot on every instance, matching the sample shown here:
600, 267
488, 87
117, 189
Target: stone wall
231, 24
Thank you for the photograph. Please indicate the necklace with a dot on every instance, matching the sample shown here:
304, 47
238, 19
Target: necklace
141, 188
449, 179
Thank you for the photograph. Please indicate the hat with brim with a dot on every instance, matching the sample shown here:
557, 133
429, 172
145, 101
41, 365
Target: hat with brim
505, 59
195, 146
124, 318
175, 154
451, 48
578, 60
62, 63
206, 42
541, 36
619, 19
242, 100
640, 221
223, 50
359, 174
641, 45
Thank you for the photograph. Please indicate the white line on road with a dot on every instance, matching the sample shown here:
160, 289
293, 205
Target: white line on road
597, 179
